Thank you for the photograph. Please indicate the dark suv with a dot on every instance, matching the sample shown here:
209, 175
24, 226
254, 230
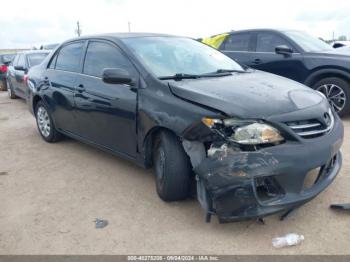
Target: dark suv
298, 56
191, 112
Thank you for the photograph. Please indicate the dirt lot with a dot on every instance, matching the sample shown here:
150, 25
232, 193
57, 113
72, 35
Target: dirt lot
51, 194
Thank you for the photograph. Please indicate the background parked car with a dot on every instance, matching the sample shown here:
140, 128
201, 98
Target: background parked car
296, 55
5, 60
338, 44
17, 71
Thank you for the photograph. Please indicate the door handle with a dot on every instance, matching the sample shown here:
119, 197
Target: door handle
80, 88
257, 61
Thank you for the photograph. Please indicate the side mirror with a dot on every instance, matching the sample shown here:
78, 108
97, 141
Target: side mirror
20, 68
283, 50
116, 76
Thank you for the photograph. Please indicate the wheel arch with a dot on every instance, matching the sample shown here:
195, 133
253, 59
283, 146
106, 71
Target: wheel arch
319, 74
148, 143
36, 100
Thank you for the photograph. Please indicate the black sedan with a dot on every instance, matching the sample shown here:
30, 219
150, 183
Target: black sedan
191, 112
298, 56
18, 69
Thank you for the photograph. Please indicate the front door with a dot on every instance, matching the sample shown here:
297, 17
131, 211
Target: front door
106, 113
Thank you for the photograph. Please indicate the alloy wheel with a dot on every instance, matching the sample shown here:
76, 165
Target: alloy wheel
335, 95
44, 122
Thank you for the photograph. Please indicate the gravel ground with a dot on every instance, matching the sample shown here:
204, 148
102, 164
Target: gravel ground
52, 193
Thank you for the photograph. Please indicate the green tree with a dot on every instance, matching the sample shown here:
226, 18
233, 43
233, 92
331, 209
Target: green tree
342, 38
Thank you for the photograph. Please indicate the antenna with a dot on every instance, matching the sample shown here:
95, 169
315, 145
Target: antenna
78, 30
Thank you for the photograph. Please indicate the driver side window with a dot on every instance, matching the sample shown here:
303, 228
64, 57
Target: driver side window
100, 55
267, 42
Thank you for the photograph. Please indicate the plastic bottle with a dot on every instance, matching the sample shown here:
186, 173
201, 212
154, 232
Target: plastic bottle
287, 240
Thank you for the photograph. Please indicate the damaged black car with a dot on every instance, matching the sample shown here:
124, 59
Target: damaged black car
251, 142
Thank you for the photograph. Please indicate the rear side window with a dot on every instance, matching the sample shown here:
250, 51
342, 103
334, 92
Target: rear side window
237, 42
69, 57
101, 55
267, 42
53, 62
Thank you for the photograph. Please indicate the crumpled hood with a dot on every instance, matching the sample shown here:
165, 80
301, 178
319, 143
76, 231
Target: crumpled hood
254, 94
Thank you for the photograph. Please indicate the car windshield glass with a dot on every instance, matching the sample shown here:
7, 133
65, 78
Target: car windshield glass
170, 56
307, 42
35, 59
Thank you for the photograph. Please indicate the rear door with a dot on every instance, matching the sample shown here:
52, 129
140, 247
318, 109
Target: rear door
265, 58
18, 79
11, 69
239, 46
61, 77
106, 113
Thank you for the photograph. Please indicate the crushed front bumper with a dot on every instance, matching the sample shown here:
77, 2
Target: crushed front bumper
239, 185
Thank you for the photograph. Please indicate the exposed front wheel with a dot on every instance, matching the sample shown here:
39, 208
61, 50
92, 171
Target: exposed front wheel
337, 92
45, 124
172, 168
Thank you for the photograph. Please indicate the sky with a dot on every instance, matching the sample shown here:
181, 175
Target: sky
25, 24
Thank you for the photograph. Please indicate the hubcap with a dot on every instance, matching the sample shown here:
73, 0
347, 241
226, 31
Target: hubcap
43, 121
335, 95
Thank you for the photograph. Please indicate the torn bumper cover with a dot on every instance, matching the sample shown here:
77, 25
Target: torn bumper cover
237, 185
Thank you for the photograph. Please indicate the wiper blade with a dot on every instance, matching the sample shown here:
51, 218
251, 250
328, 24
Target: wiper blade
230, 71
179, 76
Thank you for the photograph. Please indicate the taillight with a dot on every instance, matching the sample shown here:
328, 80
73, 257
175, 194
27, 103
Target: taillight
3, 68
25, 79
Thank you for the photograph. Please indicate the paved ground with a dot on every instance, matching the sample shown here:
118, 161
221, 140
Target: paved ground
51, 193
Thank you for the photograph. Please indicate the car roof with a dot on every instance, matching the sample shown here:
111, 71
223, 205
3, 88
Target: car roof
279, 30
118, 36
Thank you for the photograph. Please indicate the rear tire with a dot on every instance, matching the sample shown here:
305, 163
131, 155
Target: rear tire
337, 92
46, 126
172, 168
10, 91
3, 86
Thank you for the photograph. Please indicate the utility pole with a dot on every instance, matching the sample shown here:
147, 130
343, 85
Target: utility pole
129, 26
78, 30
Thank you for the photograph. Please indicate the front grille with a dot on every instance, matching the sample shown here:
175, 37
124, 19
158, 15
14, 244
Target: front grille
313, 127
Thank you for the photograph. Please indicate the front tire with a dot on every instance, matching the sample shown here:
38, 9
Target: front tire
45, 125
337, 92
172, 168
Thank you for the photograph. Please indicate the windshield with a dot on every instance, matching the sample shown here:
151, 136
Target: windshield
168, 56
307, 42
35, 59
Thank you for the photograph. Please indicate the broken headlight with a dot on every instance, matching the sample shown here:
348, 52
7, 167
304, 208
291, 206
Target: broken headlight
245, 132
